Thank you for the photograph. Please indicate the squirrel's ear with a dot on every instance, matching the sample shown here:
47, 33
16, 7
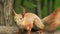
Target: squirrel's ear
14, 13
23, 10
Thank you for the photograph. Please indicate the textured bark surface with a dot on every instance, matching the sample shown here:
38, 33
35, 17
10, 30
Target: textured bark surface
1, 13
6, 17
39, 8
7, 12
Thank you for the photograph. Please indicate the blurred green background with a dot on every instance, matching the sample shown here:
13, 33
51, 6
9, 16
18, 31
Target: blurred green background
46, 6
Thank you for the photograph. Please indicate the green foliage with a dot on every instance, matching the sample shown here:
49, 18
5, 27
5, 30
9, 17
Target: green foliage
57, 3
17, 6
29, 4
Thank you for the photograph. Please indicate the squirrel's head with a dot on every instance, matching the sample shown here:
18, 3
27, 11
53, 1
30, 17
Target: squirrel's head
18, 18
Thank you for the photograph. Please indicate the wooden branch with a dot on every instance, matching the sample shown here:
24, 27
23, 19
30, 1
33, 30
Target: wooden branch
8, 29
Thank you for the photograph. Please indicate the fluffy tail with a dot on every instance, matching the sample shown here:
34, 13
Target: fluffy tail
47, 19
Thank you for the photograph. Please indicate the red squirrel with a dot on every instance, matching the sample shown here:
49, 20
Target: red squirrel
27, 20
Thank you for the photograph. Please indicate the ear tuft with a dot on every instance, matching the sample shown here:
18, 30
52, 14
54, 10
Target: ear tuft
23, 11
13, 12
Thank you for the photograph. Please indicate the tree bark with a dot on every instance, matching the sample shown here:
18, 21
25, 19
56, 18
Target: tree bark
1, 12
53, 4
8, 4
48, 7
22, 2
14, 4
42, 4
6, 7
39, 8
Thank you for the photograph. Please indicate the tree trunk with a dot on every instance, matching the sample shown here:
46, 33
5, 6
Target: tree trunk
42, 4
5, 17
1, 12
39, 8
14, 4
8, 4
22, 2
53, 4
48, 7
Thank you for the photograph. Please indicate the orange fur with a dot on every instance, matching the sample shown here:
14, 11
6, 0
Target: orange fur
52, 20
27, 21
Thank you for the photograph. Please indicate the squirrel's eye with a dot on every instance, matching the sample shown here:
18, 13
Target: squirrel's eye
20, 18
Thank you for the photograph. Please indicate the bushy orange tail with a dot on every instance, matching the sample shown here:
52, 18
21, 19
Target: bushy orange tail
52, 20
